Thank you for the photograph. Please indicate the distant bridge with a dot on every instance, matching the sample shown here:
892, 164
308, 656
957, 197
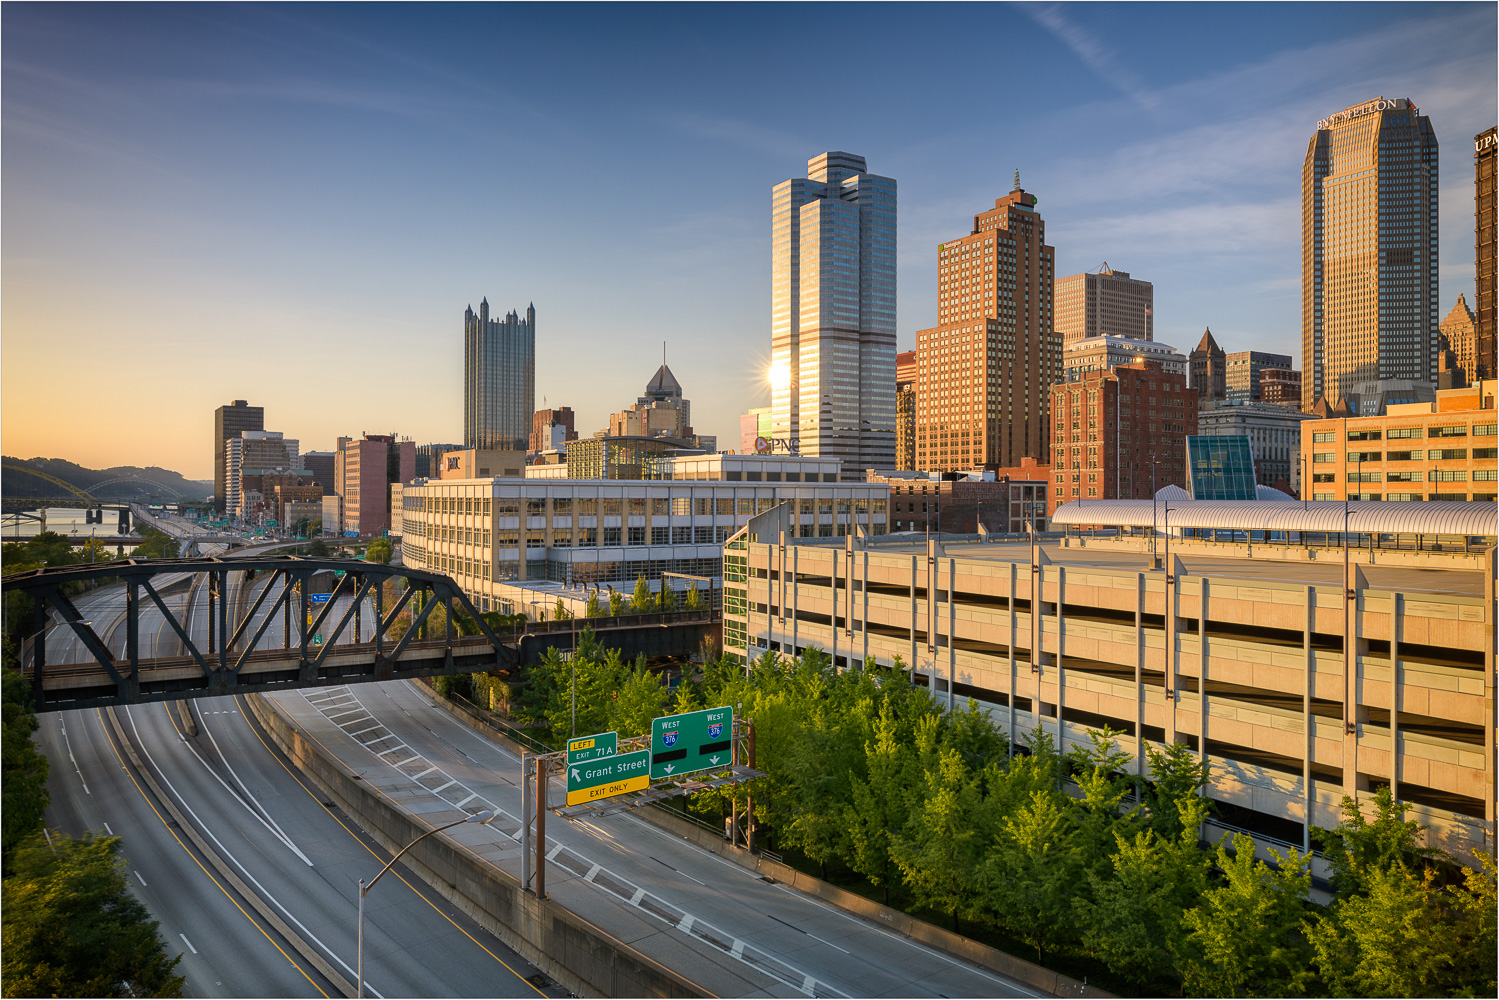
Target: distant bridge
244, 597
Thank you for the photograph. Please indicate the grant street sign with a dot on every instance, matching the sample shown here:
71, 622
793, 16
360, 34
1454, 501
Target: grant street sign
588, 748
692, 741
608, 776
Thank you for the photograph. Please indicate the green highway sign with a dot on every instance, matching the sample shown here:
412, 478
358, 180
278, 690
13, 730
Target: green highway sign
586, 748
692, 741
608, 776
317, 640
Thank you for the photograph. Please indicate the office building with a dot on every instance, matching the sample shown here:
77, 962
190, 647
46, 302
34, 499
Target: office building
1485, 194
551, 429
320, 464
1208, 369
1368, 250
609, 532
253, 454
230, 422
1442, 450
622, 456
469, 463
906, 372
755, 437
661, 412
1280, 386
1104, 303
1120, 433
1273, 432
1275, 675
832, 367
429, 459
959, 503
499, 379
985, 371
1370, 399
364, 469
1241, 372
1459, 345
1092, 354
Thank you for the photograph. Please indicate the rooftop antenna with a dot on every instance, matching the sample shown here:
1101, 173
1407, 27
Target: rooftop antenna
1017, 179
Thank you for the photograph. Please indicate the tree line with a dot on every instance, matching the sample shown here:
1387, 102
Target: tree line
1065, 852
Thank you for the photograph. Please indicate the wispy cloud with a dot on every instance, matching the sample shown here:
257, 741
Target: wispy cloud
1092, 51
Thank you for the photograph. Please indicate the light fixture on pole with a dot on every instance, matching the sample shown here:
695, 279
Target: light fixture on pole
484, 816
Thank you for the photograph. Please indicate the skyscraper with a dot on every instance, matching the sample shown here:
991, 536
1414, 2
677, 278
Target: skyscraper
833, 313
1368, 249
1241, 379
985, 371
1486, 190
1104, 303
230, 422
499, 379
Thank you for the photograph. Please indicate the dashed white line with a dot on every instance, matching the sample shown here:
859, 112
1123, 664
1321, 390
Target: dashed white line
138, 875
188, 943
471, 797
451, 783
108, 830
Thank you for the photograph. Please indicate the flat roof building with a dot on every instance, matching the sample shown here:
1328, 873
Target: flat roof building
1254, 653
1104, 303
1093, 354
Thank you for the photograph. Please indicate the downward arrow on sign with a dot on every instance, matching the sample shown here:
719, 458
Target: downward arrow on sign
713, 759
670, 768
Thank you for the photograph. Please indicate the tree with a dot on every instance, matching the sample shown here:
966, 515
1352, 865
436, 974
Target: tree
1473, 910
318, 548
155, 545
1176, 775
1387, 940
1358, 847
1133, 921
667, 599
594, 609
23, 788
693, 600
1029, 879
380, 551
616, 603
1245, 938
939, 852
96, 551
880, 800
72, 928
560, 612
644, 600
639, 698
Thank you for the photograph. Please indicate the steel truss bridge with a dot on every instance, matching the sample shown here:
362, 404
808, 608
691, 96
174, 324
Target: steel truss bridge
244, 597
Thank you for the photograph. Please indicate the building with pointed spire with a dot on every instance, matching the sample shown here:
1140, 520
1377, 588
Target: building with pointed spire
985, 371
1459, 348
499, 379
1208, 366
832, 369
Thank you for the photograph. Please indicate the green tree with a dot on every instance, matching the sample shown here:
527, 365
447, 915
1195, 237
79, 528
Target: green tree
880, 805
379, 550
694, 600
155, 545
1030, 877
96, 551
667, 599
1359, 847
1132, 915
1176, 775
939, 851
318, 549
1473, 910
616, 603
644, 600
595, 608
1388, 940
1245, 938
560, 612
72, 928
639, 698
23, 787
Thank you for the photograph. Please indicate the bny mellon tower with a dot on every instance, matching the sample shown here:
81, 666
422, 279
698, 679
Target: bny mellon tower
833, 313
1369, 308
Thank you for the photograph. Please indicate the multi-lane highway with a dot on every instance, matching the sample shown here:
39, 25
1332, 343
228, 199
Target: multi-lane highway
716, 923
301, 857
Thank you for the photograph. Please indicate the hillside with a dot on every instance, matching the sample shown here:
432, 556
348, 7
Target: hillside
148, 483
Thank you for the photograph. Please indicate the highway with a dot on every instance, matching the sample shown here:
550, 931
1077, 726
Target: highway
301, 857
717, 924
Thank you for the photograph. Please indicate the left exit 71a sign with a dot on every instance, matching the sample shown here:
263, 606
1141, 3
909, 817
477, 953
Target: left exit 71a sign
590, 781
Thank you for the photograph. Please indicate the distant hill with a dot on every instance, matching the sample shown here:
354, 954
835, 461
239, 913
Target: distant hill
138, 484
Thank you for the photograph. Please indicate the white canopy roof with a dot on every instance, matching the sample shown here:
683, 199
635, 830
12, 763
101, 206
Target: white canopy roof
1439, 517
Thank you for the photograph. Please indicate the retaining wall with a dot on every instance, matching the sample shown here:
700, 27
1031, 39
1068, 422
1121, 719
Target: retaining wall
567, 947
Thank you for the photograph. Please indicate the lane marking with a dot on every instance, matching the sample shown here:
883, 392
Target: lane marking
138, 875
424, 773
285, 839
69, 743
108, 830
471, 797
450, 784
188, 943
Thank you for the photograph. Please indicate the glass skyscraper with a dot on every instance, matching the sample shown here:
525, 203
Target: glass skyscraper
1369, 307
499, 379
833, 313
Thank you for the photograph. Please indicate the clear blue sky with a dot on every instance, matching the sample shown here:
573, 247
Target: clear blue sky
293, 204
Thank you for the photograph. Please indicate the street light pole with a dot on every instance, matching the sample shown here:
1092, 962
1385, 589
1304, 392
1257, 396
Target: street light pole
479, 817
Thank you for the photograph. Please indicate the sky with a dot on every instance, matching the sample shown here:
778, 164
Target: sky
294, 204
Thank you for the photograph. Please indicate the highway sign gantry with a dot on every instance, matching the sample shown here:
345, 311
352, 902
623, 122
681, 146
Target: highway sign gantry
693, 741
605, 777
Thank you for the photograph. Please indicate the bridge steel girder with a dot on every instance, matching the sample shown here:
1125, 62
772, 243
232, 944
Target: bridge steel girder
103, 679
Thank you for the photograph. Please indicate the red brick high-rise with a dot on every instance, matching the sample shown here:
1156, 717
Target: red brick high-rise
1119, 432
984, 372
